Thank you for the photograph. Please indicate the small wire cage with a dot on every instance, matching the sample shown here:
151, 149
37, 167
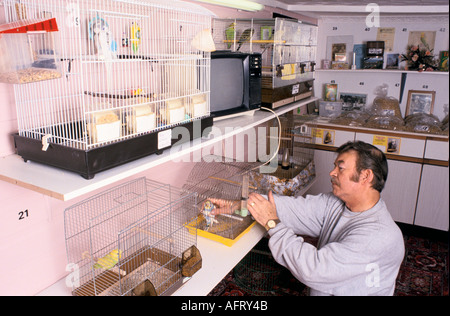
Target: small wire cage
131, 240
258, 273
220, 178
288, 47
296, 170
128, 69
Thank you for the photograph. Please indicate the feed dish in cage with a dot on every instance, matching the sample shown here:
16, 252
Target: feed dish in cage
142, 118
132, 240
27, 51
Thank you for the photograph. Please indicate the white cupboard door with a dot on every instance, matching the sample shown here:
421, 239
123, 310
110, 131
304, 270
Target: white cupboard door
433, 202
400, 191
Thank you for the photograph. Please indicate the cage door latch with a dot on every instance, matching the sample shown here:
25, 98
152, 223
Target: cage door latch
45, 142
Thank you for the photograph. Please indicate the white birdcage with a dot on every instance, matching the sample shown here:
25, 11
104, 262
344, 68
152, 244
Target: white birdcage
131, 71
131, 240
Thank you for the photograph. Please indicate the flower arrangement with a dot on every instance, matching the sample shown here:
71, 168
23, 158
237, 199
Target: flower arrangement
420, 58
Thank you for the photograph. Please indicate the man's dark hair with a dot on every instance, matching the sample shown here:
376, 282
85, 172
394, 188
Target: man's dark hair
369, 157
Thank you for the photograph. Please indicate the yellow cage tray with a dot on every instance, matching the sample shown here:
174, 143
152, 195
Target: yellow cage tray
227, 231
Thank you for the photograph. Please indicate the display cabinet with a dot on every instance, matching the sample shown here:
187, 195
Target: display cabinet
418, 163
288, 49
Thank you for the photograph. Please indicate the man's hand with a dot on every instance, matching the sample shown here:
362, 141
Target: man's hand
262, 210
225, 206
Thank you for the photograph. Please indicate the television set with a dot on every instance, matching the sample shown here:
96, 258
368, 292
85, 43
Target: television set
235, 83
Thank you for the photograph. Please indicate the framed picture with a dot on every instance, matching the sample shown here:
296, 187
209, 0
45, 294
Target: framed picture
330, 92
392, 61
423, 39
339, 45
339, 52
420, 102
266, 33
353, 101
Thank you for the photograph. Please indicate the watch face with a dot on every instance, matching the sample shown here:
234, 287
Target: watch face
271, 223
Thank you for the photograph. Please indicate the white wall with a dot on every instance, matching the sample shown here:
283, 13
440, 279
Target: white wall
356, 27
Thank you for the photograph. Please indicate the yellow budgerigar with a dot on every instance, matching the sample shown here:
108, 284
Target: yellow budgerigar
108, 261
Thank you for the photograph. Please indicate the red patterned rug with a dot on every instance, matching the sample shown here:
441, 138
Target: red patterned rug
425, 269
424, 272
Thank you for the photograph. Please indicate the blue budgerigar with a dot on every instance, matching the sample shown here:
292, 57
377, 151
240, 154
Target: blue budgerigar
208, 206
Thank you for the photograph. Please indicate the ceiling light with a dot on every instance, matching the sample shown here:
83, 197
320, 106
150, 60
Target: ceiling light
236, 4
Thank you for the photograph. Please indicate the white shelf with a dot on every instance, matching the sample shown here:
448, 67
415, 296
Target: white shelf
65, 185
385, 71
217, 261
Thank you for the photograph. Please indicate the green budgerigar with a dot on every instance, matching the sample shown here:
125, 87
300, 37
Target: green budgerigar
229, 33
109, 261
245, 37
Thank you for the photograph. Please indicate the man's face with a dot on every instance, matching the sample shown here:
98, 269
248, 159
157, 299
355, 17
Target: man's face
344, 178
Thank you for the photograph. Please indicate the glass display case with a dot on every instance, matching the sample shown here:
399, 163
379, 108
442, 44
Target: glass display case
288, 49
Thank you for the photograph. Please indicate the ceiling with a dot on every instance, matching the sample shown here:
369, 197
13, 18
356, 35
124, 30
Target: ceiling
331, 7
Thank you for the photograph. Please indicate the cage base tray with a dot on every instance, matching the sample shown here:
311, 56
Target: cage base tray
167, 279
87, 163
223, 232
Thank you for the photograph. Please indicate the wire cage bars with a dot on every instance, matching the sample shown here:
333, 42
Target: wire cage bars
258, 273
296, 169
131, 240
288, 48
217, 177
129, 69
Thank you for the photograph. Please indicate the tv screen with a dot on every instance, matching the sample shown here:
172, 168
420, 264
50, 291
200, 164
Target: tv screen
227, 83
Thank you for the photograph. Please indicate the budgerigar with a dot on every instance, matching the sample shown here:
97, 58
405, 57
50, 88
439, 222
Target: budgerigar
109, 261
206, 211
229, 32
245, 37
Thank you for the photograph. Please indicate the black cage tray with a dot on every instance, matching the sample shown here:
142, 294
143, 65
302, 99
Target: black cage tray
87, 163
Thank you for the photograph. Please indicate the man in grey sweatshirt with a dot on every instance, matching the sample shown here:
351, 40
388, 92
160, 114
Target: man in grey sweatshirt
360, 248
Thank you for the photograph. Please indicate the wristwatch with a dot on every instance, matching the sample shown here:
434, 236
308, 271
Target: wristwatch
271, 223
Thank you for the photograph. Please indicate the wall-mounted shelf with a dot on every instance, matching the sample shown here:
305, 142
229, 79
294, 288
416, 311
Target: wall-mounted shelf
385, 71
65, 185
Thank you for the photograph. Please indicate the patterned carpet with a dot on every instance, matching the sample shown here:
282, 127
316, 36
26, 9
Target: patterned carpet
424, 272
